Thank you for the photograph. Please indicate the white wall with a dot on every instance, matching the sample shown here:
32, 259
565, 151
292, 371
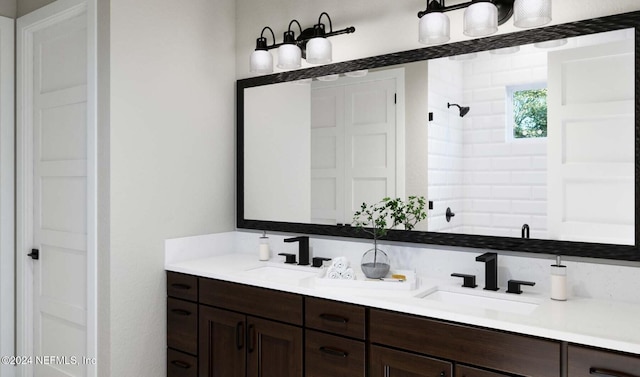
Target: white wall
505, 179
277, 134
23, 7
445, 146
171, 158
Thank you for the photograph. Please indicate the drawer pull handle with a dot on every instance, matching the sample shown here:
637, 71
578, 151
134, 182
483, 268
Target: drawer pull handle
181, 364
334, 318
608, 373
180, 312
240, 335
180, 286
333, 351
251, 333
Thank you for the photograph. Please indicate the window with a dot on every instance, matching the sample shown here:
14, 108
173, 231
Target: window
527, 111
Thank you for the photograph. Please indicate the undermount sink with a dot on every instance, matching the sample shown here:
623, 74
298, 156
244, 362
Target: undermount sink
487, 300
281, 273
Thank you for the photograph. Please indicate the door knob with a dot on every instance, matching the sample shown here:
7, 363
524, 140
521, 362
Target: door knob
34, 254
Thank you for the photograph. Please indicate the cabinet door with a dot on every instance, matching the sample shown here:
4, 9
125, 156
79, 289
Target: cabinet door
333, 356
273, 349
182, 325
386, 362
222, 343
589, 362
465, 371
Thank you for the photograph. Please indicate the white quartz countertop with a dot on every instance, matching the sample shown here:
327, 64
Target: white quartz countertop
612, 325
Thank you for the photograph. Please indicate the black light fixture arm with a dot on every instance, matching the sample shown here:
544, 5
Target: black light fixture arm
305, 34
439, 6
505, 8
291, 23
261, 43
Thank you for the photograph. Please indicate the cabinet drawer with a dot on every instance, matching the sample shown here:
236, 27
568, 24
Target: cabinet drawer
260, 302
465, 371
182, 286
335, 317
330, 355
182, 325
386, 362
181, 365
590, 362
505, 352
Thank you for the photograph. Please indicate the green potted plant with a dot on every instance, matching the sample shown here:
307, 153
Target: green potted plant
376, 219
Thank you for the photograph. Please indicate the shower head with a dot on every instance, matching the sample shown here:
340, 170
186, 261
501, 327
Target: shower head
463, 109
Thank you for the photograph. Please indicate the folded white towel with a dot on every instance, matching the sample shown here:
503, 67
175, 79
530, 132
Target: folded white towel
332, 273
349, 274
340, 264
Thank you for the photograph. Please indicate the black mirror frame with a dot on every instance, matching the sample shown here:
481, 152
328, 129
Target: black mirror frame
538, 246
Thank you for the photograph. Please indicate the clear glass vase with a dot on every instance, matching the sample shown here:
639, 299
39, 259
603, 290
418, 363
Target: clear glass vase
375, 263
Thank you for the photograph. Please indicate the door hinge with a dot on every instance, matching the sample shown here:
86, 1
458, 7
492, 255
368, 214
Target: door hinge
34, 254
395, 98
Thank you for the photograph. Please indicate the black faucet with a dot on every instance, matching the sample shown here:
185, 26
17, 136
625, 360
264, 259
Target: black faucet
303, 249
490, 270
525, 231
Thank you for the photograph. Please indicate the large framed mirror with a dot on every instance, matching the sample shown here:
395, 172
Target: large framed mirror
526, 142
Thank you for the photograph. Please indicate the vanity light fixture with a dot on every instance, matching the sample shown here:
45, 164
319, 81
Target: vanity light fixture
312, 44
289, 53
481, 17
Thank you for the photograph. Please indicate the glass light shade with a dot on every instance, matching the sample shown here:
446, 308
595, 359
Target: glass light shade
531, 13
289, 56
261, 61
433, 28
480, 19
319, 51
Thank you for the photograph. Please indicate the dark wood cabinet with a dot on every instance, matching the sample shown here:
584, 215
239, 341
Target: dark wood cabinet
179, 364
222, 343
335, 317
333, 356
592, 362
273, 349
496, 350
335, 334
182, 325
386, 362
466, 371
233, 343
222, 329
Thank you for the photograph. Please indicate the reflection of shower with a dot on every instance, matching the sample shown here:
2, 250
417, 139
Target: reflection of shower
463, 109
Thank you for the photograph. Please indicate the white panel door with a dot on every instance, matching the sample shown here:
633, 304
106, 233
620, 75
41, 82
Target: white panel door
370, 143
591, 149
56, 166
355, 132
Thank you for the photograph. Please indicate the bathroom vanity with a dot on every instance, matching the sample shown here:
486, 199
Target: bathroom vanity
222, 323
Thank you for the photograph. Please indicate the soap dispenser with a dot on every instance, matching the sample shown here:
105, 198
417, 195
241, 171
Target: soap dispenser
264, 247
558, 281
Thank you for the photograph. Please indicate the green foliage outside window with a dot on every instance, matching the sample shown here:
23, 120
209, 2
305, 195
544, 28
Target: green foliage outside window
530, 113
